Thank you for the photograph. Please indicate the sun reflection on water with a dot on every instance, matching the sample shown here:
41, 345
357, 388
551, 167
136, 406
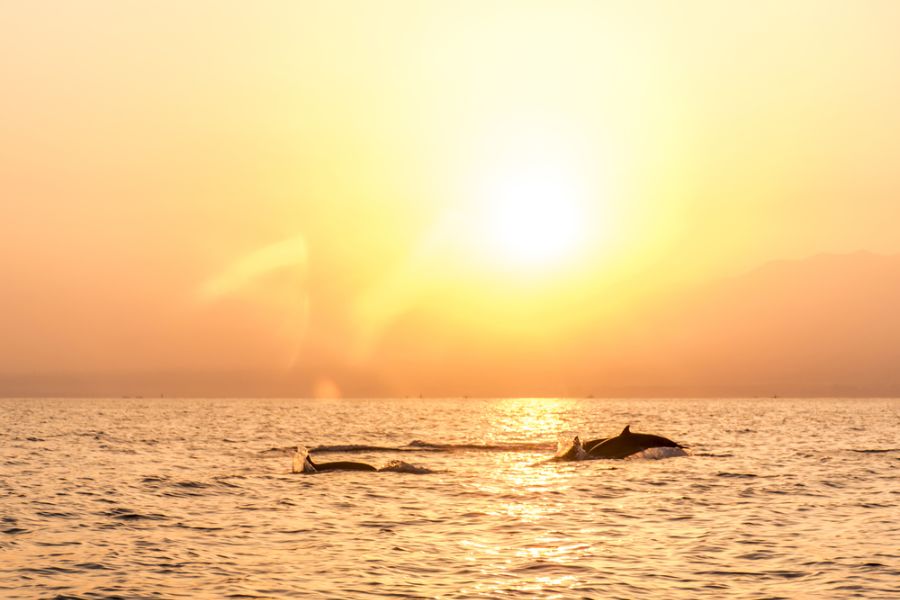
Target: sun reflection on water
532, 499
529, 420
529, 416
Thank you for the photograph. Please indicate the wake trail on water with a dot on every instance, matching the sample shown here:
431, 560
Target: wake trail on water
415, 446
496, 447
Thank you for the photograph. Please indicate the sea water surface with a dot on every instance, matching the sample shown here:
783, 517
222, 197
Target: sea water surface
171, 498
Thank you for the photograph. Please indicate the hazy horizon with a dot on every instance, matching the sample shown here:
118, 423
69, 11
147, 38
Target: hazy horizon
320, 199
699, 313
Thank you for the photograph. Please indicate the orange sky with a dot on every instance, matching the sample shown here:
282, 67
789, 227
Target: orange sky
360, 198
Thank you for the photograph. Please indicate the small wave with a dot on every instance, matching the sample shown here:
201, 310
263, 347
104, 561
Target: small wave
126, 514
875, 450
14, 531
541, 566
294, 531
119, 449
737, 475
182, 525
191, 485
398, 466
91, 433
56, 515
182, 489
48, 570
778, 573
56, 544
224, 481
93, 566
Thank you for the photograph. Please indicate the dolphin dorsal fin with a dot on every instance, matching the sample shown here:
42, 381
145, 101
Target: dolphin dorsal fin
626, 431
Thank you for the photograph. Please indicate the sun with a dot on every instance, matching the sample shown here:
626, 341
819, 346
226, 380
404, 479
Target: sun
533, 216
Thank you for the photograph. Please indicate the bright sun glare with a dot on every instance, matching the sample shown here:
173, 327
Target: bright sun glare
533, 217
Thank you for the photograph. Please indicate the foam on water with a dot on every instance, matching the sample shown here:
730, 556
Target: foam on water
398, 466
196, 498
299, 464
657, 454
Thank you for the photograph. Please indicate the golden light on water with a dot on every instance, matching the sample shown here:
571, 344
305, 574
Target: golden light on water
536, 497
530, 418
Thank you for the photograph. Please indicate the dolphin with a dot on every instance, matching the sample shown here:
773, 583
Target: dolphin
626, 444
303, 463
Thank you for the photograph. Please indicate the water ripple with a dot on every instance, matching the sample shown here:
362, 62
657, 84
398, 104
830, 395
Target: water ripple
173, 498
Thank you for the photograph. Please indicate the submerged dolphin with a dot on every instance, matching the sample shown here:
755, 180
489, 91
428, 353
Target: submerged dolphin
303, 463
626, 444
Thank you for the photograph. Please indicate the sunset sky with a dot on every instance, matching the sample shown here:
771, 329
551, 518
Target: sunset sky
448, 198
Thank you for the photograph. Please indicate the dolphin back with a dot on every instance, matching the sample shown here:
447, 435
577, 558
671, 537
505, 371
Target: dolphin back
654, 441
627, 443
343, 465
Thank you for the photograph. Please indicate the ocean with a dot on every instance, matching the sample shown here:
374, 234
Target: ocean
169, 498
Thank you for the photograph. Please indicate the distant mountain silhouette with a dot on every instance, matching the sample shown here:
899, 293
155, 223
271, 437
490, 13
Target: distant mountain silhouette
825, 325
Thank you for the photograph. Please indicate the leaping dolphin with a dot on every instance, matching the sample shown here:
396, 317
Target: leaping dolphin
626, 444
